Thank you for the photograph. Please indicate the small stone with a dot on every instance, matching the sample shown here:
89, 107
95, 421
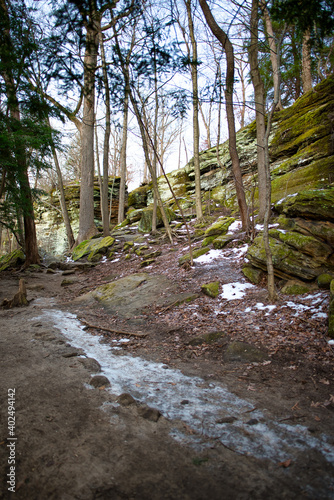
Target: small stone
50, 271
226, 420
91, 364
99, 381
67, 282
184, 402
252, 421
125, 399
148, 413
68, 272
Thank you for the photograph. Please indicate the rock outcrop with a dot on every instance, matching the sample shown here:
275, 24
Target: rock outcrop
302, 243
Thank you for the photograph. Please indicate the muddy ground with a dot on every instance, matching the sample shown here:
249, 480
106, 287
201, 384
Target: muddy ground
68, 447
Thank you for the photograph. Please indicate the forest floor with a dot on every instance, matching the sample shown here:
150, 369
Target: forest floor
247, 414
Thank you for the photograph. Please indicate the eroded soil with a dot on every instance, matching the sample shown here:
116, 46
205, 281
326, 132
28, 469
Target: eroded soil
69, 447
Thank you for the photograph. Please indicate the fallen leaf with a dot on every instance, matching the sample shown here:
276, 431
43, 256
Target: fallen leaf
296, 407
317, 418
324, 381
286, 463
251, 388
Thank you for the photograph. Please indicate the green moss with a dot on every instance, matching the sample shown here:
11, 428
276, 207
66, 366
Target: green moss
306, 244
138, 197
324, 280
147, 262
252, 274
207, 241
211, 289
92, 247
221, 241
208, 338
13, 259
313, 204
293, 287
220, 226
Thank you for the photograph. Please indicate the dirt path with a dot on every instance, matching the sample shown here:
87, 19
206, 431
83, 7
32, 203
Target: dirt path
79, 442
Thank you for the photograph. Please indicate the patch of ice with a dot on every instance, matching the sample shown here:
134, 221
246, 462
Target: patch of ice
148, 382
331, 342
234, 291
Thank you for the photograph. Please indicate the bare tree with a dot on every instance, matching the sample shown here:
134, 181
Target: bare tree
228, 48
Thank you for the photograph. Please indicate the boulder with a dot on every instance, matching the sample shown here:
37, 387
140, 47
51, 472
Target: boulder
295, 287
92, 247
252, 274
145, 223
220, 226
288, 263
13, 259
197, 252
133, 295
313, 204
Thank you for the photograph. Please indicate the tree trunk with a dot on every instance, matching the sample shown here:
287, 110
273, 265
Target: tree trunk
106, 144
121, 201
306, 63
30, 238
227, 46
62, 201
259, 108
196, 133
273, 51
87, 227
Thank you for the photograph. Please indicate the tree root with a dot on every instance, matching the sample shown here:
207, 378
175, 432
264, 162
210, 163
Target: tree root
19, 299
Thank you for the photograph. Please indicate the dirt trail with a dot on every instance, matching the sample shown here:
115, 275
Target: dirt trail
79, 442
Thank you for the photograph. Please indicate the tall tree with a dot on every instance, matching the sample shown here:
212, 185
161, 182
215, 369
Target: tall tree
13, 56
229, 85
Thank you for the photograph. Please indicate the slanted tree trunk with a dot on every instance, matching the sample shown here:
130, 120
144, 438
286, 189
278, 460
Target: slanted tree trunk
227, 46
259, 108
306, 63
196, 133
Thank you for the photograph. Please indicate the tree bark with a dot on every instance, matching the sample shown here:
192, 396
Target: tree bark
306, 63
106, 144
121, 201
30, 238
259, 109
62, 201
227, 46
196, 133
87, 227
273, 51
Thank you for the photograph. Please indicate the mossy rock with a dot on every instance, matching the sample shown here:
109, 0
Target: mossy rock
138, 197
197, 252
140, 250
323, 230
252, 274
121, 225
221, 241
207, 241
147, 262
128, 245
211, 289
324, 281
220, 226
288, 263
152, 255
145, 223
92, 247
12, 259
308, 245
312, 204
294, 287
208, 338
243, 352
134, 215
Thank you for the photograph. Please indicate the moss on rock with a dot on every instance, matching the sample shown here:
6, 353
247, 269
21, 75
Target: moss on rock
294, 287
13, 259
220, 226
197, 252
211, 289
92, 247
252, 274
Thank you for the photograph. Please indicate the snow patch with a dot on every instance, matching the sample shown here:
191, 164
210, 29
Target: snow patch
234, 291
